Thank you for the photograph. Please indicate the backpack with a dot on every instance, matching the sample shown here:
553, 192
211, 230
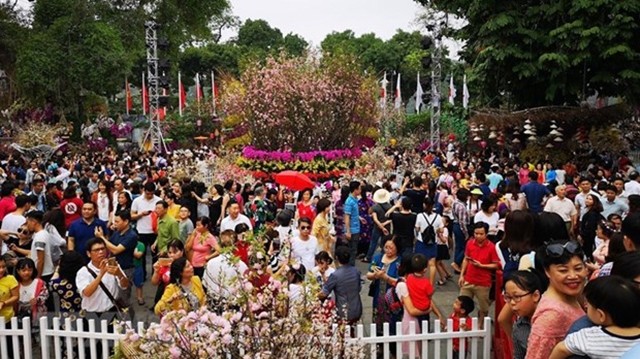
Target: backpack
393, 303
429, 233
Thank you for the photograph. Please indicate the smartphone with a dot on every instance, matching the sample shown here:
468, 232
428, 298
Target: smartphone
111, 262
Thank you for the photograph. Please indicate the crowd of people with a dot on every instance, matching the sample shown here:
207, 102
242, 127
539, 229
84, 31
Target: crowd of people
565, 241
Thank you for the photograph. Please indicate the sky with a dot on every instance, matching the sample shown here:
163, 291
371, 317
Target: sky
314, 19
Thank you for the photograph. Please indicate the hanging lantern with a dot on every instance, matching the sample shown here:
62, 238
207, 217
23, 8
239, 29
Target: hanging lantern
493, 128
553, 126
516, 133
483, 144
560, 129
492, 135
549, 145
477, 138
532, 138
529, 133
500, 143
527, 127
558, 139
554, 133
528, 121
515, 140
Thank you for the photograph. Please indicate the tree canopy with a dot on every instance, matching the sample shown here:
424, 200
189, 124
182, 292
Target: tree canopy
539, 53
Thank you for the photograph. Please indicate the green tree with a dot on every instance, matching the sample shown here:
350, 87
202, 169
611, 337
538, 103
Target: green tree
13, 28
294, 44
259, 34
538, 53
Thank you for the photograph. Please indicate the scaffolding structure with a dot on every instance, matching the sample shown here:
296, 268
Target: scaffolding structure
153, 138
436, 26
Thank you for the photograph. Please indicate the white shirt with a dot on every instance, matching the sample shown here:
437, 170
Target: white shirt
103, 206
305, 251
12, 222
560, 176
99, 301
564, 207
422, 224
141, 204
632, 187
220, 273
41, 242
229, 223
492, 221
27, 292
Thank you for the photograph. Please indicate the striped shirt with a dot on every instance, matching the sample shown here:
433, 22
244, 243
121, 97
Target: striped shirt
598, 343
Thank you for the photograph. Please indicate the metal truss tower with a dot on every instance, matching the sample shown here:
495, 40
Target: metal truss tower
436, 27
154, 133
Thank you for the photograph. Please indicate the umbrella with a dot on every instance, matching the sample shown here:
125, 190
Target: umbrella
294, 180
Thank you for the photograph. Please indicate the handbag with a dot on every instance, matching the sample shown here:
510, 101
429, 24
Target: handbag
118, 303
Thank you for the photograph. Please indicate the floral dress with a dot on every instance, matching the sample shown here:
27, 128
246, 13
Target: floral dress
339, 220
70, 299
367, 227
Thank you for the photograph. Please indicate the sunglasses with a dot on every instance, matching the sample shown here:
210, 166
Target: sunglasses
304, 228
557, 250
23, 231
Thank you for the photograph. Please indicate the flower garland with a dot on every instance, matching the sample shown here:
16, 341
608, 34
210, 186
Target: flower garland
252, 153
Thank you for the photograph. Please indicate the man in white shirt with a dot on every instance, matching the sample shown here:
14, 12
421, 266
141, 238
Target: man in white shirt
40, 246
221, 271
234, 218
304, 247
141, 209
564, 207
632, 187
97, 277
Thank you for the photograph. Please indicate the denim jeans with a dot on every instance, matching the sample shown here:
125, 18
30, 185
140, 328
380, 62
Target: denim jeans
460, 242
373, 244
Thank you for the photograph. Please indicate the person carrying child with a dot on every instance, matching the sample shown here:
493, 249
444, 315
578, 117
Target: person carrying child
612, 303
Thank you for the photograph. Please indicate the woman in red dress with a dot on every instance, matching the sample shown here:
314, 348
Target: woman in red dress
305, 208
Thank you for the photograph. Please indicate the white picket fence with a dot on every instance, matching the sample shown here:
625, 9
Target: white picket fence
57, 340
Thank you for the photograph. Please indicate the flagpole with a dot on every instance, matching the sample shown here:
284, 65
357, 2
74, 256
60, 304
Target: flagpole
126, 95
198, 91
144, 101
179, 94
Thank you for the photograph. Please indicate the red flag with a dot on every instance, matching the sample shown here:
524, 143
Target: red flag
145, 97
182, 95
129, 103
162, 112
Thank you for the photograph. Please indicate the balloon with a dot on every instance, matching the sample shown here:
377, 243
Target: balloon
483, 144
393, 142
452, 137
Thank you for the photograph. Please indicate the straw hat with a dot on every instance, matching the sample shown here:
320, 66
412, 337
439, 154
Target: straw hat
381, 196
